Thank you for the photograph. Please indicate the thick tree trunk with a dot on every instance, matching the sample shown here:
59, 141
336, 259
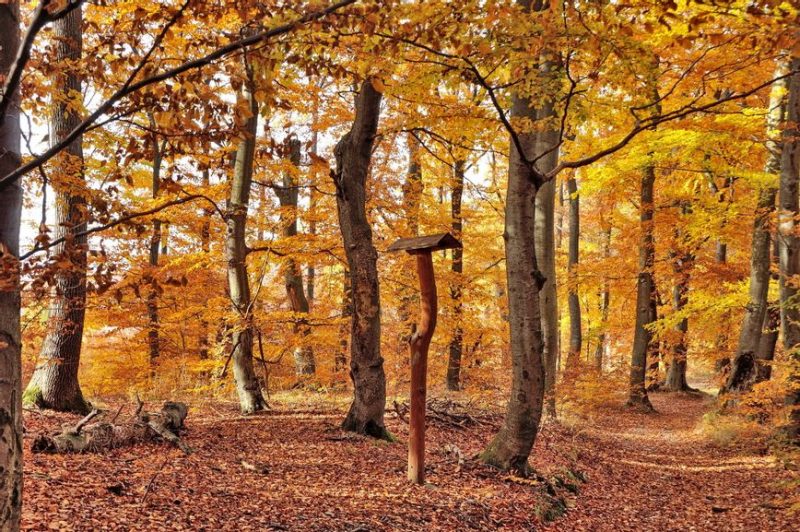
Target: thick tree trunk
10, 336
790, 242
293, 278
743, 364
353, 154
605, 297
456, 347
54, 383
575, 337
340, 360
511, 446
247, 385
645, 294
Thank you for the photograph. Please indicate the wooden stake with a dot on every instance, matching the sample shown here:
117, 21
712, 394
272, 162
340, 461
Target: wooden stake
419, 344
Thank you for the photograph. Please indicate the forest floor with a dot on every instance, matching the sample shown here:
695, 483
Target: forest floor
293, 469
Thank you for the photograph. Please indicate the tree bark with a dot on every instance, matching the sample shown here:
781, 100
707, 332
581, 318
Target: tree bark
205, 246
412, 196
54, 383
10, 336
353, 154
788, 199
247, 385
575, 337
293, 278
682, 262
511, 446
153, 330
456, 346
743, 364
548, 297
643, 337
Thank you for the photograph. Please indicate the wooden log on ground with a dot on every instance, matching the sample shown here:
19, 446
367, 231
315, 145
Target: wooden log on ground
85, 436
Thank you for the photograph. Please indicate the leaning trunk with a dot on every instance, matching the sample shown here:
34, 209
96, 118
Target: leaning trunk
54, 383
247, 385
353, 154
10, 336
456, 347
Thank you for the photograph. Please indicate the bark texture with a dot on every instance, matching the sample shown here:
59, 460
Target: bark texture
645, 294
10, 337
682, 262
353, 154
154, 328
605, 300
790, 242
511, 446
293, 278
54, 383
247, 384
456, 347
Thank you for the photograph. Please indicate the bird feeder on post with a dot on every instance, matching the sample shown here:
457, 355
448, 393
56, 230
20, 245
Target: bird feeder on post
422, 247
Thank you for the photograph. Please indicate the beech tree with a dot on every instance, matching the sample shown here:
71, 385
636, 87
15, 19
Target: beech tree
54, 383
353, 154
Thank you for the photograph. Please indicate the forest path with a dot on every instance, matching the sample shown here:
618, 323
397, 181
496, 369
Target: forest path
661, 472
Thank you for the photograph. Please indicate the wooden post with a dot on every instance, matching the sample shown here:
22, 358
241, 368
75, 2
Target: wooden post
422, 248
418, 345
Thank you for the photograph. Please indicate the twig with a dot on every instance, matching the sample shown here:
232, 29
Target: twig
153, 479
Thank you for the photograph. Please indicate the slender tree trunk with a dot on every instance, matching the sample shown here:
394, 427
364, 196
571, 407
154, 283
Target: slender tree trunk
312, 208
54, 383
743, 365
456, 347
605, 297
575, 337
643, 337
287, 196
353, 155
205, 246
247, 385
511, 446
340, 361
10, 336
790, 242
548, 297
153, 330
682, 261
412, 196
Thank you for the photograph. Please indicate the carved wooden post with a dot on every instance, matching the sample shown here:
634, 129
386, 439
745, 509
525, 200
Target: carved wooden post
422, 247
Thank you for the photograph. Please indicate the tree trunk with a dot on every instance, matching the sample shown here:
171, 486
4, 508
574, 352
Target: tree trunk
205, 246
643, 337
605, 296
548, 297
575, 337
456, 347
744, 360
790, 242
412, 196
10, 336
340, 361
153, 330
54, 383
293, 278
353, 154
511, 446
312, 207
247, 385
682, 261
